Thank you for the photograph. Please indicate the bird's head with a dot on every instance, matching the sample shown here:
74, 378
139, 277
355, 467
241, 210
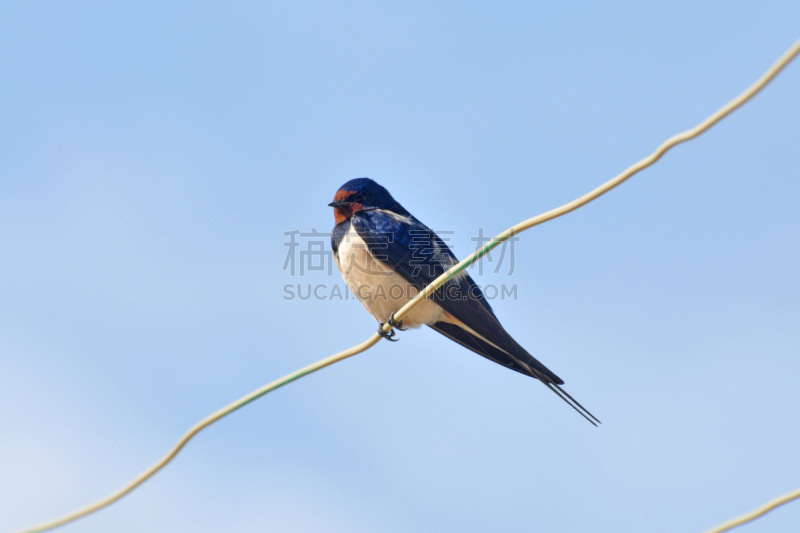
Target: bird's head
362, 194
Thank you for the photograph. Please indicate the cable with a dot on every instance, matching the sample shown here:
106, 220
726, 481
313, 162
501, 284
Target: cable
438, 282
756, 513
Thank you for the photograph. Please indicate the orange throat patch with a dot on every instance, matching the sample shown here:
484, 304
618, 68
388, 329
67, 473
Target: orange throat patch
344, 212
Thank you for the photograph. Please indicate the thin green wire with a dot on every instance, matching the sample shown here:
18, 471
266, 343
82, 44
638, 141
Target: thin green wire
375, 338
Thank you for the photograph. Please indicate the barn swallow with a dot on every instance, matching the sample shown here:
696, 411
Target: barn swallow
387, 256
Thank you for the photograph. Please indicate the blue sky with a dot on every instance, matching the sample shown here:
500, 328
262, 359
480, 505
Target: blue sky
152, 156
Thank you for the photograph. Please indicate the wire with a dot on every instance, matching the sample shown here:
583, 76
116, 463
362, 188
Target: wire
728, 108
756, 513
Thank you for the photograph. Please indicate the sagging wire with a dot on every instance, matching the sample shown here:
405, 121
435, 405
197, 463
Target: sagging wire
756, 513
670, 143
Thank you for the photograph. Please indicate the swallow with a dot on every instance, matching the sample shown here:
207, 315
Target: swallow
387, 256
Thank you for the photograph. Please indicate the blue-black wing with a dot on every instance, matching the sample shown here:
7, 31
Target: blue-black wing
419, 255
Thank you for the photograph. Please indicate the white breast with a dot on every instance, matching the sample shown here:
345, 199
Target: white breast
378, 287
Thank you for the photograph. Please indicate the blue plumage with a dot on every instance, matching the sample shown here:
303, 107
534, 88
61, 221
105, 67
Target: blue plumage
397, 250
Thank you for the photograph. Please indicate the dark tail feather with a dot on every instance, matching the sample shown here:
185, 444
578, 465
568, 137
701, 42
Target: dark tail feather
524, 364
578, 407
479, 346
576, 402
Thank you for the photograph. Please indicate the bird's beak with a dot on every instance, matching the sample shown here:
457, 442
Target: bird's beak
340, 203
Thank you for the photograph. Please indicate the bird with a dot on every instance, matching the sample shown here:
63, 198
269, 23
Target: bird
387, 256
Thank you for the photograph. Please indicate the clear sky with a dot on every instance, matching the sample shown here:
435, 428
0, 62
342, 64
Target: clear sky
154, 155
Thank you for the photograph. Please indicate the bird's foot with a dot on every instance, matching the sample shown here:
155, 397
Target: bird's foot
395, 324
388, 336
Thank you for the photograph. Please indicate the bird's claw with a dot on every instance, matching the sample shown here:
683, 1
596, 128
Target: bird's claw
389, 336
395, 324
